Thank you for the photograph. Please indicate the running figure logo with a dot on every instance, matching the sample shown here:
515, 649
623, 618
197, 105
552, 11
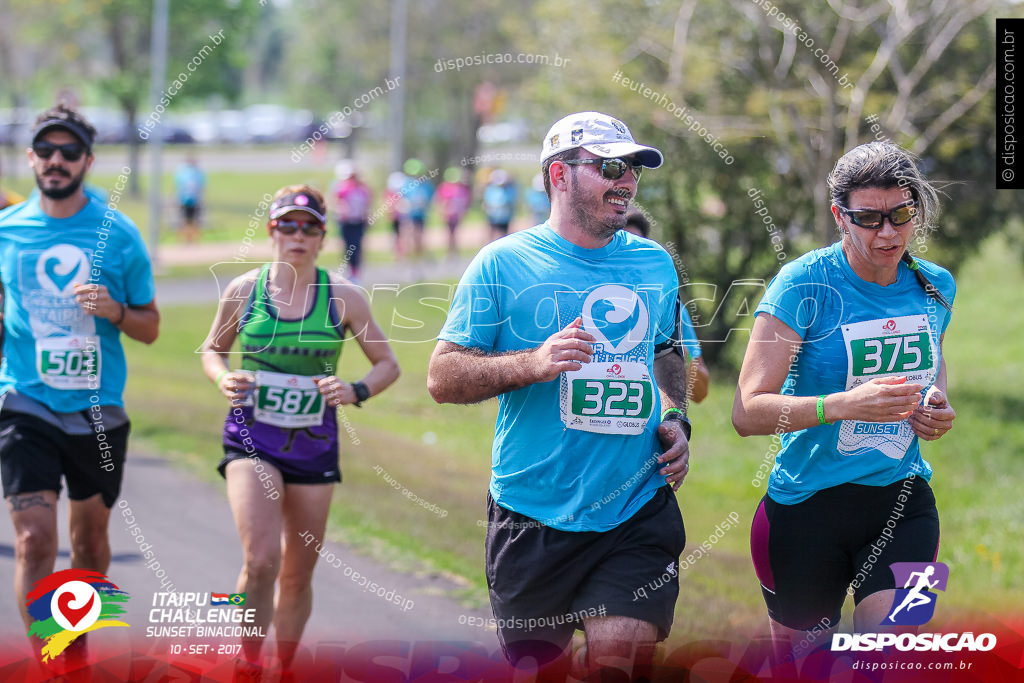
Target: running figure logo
914, 603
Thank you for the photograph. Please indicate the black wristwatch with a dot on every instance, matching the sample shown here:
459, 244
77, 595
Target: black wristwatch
676, 414
362, 393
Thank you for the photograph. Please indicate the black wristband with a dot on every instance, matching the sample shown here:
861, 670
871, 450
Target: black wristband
679, 417
362, 393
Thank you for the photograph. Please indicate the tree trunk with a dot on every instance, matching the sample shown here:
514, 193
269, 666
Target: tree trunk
134, 151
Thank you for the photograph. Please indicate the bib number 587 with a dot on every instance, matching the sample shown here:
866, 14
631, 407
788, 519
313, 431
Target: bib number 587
289, 401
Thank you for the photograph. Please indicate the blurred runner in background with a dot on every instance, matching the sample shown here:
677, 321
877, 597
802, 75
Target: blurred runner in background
454, 195
351, 204
189, 184
500, 197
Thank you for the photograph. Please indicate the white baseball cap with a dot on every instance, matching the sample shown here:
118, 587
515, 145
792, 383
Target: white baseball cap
599, 134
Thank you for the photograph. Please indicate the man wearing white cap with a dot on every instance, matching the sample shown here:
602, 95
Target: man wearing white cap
560, 322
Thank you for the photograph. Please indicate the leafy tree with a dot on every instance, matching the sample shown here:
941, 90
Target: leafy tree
109, 46
742, 75
348, 54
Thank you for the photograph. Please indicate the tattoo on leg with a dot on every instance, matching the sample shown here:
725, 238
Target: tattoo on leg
28, 500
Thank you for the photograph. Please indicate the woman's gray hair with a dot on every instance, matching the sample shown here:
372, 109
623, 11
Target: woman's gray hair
884, 165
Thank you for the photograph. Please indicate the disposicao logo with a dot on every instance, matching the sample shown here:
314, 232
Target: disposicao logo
71, 602
914, 605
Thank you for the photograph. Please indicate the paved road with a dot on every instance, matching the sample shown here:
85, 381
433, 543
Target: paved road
189, 525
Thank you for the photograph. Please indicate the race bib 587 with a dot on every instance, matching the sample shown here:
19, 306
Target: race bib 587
288, 401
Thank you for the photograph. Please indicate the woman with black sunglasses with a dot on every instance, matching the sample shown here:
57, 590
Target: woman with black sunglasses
845, 368
281, 432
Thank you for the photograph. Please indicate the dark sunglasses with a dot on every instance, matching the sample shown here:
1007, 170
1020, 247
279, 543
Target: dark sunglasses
72, 151
872, 220
308, 228
611, 169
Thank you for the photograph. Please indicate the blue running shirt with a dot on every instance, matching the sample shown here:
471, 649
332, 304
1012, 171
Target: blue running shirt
54, 352
853, 331
578, 453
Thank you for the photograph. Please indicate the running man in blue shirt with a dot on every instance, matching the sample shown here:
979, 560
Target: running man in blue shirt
845, 367
76, 276
560, 322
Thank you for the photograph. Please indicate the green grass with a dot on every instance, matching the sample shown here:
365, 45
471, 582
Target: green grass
442, 454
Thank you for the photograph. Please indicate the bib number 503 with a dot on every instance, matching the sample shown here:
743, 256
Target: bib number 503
612, 398
68, 362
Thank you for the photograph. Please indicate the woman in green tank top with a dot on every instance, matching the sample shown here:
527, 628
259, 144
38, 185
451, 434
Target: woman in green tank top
281, 435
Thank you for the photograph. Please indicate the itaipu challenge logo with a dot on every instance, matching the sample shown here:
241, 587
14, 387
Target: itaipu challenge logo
71, 602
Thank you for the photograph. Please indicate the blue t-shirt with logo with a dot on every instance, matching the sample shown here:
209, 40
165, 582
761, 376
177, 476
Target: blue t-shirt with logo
578, 453
53, 351
853, 331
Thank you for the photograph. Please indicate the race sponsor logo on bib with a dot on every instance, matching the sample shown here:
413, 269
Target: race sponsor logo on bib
289, 401
887, 347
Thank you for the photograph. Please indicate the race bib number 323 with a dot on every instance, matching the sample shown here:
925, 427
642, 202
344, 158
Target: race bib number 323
609, 398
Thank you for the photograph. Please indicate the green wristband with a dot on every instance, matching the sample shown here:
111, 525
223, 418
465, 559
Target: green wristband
672, 410
220, 377
821, 411
679, 416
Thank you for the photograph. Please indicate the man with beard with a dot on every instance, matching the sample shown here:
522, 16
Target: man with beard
76, 275
560, 323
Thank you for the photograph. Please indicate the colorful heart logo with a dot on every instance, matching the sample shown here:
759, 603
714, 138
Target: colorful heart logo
75, 606
72, 614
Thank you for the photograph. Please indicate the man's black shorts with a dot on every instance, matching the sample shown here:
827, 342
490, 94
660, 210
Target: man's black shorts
809, 554
34, 455
543, 582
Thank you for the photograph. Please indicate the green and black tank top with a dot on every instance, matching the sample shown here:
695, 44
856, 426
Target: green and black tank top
310, 345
